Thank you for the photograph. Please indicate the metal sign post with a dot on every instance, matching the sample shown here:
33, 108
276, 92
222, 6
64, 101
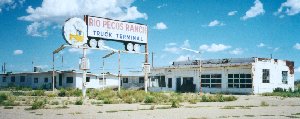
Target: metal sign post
119, 72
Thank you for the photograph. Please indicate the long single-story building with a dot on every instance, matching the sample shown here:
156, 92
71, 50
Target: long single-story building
63, 79
232, 75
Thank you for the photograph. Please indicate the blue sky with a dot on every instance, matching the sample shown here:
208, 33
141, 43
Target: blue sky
31, 30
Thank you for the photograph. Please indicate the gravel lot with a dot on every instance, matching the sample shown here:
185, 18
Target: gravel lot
245, 107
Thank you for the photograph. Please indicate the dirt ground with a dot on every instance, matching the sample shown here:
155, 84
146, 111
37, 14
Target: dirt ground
245, 107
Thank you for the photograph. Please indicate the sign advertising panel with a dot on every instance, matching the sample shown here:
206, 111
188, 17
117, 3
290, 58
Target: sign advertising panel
74, 32
116, 30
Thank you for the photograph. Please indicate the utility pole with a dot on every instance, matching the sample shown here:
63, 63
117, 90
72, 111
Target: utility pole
119, 72
53, 79
103, 74
152, 59
146, 73
84, 68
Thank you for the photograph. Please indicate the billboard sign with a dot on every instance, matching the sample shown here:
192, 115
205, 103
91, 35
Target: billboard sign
116, 30
75, 31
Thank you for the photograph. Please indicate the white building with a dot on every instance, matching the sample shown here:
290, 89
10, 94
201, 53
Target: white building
63, 79
233, 75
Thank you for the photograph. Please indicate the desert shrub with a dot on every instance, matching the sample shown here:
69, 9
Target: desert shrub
3, 97
175, 104
75, 92
129, 99
132, 96
54, 103
79, 102
264, 104
38, 93
279, 90
217, 98
107, 101
107, 93
50, 95
193, 101
92, 93
62, 92
149, 99
38, 104
230, 98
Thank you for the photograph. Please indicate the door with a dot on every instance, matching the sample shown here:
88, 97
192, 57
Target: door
178, 84
60, 80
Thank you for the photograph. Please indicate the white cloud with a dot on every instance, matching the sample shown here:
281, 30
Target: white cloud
236, 51
18, 52
183, 58
297, 46
161, 6
254, 11
176, 49
186, 44
37, 29
214, 47
291, 7
232, 13
215, 23
10, 4
261, 45
57, 11
160, 26
297, 70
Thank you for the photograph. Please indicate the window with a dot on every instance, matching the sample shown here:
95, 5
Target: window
36, 80
162, 82
69, 79
87, 79
125, 80
284, 77
13, 79
3, 79
169, 82
211, 80
266, 76
239, 81
46, 80
22, 79
141, 79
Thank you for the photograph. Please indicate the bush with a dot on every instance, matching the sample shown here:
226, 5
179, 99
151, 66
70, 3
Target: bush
50, 95
264, 104
230, 98
3, 97
38, 93
54, 103
107, 101
62, 93
107, 93
75, 92
175, 104
149, 99
38, 104
79, 102
279, 90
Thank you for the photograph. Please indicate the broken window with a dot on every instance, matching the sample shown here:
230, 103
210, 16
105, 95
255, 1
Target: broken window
284, 77
13, 78
161, 81
239, 81
125, 80
87, 79
46, 80
169, 82
211, 80
3, 79
22, 79
266, 76
141, 79
69, 79
36, 80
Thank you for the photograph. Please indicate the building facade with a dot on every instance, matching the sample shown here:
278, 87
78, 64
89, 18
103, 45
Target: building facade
43, 80
234, 75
